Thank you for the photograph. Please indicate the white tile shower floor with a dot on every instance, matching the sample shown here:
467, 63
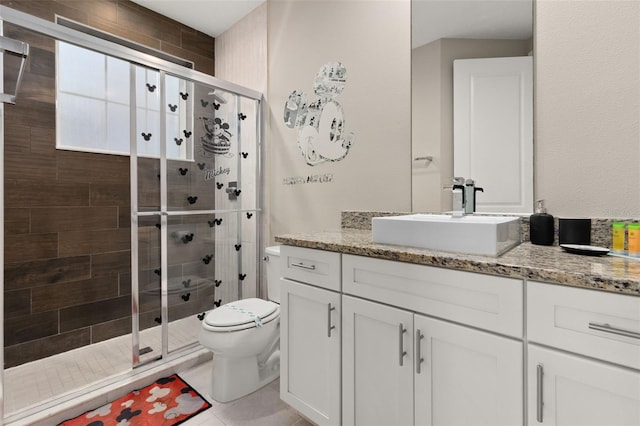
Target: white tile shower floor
34, 382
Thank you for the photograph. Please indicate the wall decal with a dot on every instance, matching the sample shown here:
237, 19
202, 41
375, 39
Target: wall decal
249, 215
201, 316
320, 123
151, 87
204, 103
186, 239
242, 116
201, 166
184, 96
207, 259
178, 141
146, 136
173, 108
217, 303
187, 134
297, 180
186, 283
219, 185
212, 173
183, 171
186, 296
192, 200
217, 282
217, 138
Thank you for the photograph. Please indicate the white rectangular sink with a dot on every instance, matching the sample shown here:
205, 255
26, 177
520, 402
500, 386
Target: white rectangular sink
485, 235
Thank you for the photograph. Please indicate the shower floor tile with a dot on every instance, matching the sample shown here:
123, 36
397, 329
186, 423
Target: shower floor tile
38, 381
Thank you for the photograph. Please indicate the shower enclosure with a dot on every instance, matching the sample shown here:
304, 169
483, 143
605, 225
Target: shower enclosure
132, 188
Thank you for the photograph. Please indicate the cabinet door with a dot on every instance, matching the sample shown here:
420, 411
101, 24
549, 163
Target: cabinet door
466, 376
567, 389
377, 360
310, 351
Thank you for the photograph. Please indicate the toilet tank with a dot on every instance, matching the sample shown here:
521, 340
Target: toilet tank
273, 273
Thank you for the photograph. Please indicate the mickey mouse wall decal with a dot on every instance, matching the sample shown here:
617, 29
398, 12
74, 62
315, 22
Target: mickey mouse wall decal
216, 106
242, 276
320, 124
238, 247
192, 200
217, 303
242, 116
187, 238
183, 171
249, 214
245, 154
187, 134
178, 141
151, 87
184, 96
186, 283
201, 316
173, 108
217, 282
146, 136
219, 185
207, 259
201, 166
185, 297
204, 103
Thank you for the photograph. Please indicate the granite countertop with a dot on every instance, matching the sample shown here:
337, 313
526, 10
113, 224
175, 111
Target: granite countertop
542, 263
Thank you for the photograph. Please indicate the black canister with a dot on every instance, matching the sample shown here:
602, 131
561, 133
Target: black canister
574, 231
541, 229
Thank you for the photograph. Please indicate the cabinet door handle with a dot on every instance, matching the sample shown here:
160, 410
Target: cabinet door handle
303, 266
329, 326
419, 359
614, 330
539, 394
402, 352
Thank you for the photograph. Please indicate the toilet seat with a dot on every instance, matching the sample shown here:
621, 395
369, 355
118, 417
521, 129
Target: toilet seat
242, 315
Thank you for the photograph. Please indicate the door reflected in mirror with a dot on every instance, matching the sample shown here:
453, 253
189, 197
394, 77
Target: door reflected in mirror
493, 141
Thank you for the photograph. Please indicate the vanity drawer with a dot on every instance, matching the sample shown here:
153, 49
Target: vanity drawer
593, 323
316, 267
483, 301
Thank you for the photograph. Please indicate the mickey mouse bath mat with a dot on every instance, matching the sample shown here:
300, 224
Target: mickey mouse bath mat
168, 401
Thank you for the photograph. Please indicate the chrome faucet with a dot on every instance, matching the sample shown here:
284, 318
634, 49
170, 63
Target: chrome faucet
470, 190
464, 196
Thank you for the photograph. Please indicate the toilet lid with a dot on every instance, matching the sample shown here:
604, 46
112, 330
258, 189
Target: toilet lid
240, 312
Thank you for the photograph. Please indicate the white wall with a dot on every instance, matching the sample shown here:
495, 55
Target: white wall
587, 98
372, 39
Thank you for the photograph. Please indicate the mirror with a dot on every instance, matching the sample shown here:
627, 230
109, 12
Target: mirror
448, 30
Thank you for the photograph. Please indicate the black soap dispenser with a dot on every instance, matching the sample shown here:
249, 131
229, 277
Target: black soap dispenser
541, 230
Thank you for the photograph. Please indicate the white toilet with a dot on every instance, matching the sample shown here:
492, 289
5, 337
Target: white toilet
244, 337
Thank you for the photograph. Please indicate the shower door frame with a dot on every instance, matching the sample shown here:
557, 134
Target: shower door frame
61, 33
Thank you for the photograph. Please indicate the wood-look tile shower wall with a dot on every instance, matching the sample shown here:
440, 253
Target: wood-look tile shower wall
67, 214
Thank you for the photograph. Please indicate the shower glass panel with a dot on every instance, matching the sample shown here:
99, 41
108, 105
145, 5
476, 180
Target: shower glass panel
117, 246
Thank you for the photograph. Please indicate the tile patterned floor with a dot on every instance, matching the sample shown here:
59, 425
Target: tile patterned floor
261, 408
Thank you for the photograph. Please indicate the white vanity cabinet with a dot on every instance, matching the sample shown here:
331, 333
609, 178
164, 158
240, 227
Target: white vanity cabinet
310, 333
583, 357
404, 368
377, 369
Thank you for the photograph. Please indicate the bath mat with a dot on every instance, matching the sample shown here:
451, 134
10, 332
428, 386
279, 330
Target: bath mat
166, 402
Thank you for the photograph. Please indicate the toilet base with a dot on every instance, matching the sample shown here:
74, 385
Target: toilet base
233, 378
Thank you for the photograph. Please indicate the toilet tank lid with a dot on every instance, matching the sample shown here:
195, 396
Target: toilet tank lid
273, 250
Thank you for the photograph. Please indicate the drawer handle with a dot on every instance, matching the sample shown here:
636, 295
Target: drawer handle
402, 352
329, 327
419, 359
539, 394
303, 266
614, 330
